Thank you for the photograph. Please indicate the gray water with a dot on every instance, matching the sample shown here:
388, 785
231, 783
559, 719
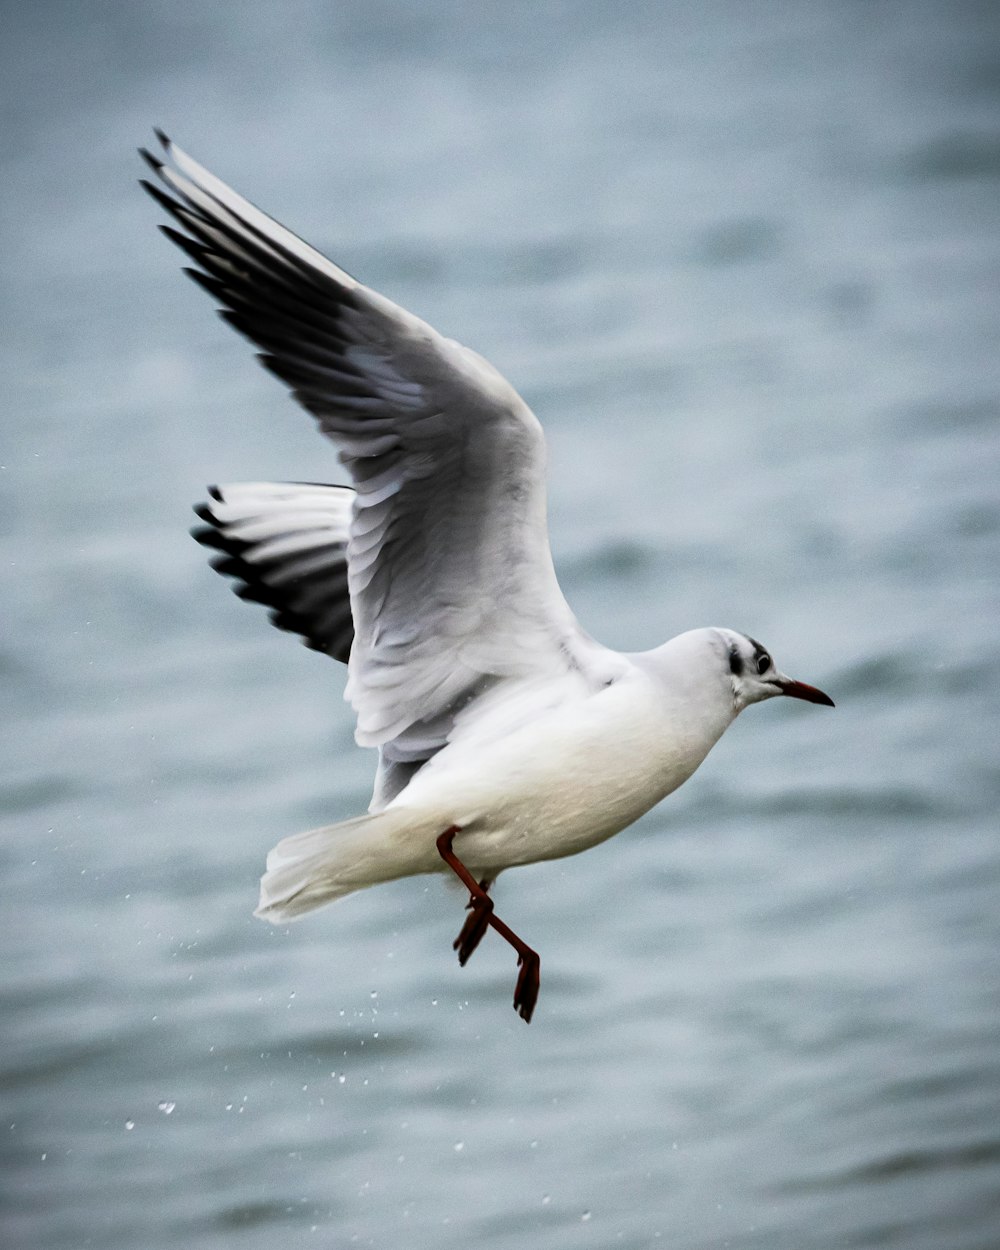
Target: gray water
744, 261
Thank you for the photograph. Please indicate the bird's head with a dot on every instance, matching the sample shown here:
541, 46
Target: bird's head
755, 677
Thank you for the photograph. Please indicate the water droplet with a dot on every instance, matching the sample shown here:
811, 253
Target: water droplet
166, 1106
546, 1199
129, 1125
341, 1078
45, 1156
459, 1145
585, 1217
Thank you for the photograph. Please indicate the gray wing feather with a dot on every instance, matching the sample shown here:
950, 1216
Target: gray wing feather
285, 543
451, 580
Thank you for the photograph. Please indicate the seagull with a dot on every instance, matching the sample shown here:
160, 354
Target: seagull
506, 735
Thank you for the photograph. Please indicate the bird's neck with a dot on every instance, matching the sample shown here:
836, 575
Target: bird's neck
696, 687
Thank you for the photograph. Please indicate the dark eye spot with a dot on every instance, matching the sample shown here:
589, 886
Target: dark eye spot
735, 661
763, 663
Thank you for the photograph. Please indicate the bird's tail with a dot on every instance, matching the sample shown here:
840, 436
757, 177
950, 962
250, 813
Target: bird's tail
310, 869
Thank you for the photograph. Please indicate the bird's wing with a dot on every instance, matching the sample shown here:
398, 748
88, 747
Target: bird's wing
285, 543
451, 580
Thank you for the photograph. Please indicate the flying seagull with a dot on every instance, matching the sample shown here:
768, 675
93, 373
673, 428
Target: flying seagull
505, 734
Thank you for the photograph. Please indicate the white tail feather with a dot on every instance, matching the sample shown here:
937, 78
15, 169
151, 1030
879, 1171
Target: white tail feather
313, 868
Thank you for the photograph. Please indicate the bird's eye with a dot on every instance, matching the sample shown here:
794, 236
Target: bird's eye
763, 663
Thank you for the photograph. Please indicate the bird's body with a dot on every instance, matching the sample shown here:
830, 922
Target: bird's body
506, 735
538, 774
532, 782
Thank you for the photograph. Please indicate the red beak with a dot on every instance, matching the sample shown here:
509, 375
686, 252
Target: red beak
799, 690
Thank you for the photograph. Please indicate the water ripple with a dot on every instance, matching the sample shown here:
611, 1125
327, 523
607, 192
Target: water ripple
904, 1163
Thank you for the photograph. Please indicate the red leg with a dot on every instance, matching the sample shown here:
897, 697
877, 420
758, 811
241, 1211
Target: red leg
474, 929
528, 979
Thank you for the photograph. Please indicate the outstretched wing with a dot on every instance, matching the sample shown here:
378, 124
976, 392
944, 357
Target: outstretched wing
285, 543
451, 580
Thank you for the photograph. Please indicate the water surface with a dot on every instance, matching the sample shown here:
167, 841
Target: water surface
744, 264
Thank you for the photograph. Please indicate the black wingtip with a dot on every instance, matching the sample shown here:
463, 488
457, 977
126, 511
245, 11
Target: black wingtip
154, 163
203, 511
172, 234
191, 246
206, 536
160, 196
155, 192
212, 285
163, 138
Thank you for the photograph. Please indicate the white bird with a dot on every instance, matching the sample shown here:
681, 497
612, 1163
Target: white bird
506, 735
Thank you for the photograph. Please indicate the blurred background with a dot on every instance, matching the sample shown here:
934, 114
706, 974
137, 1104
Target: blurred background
744, 262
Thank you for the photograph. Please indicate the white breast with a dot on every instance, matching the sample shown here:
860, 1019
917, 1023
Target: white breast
565, 778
